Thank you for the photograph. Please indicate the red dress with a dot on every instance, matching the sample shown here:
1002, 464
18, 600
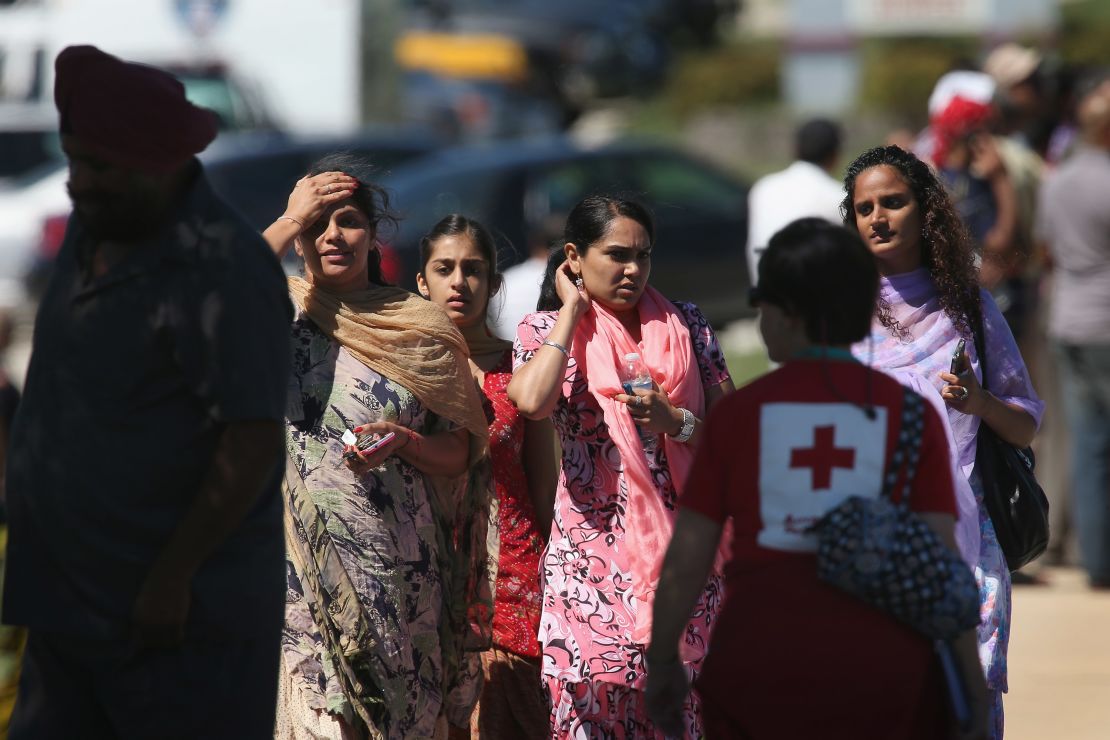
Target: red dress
517, 599
792, 657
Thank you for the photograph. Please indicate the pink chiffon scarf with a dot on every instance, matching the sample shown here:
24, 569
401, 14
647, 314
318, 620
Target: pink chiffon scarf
599, 346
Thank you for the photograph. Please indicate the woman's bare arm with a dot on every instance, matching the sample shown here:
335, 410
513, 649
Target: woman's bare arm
1009, 421
442, 453
536, 386
280, 235
686, 568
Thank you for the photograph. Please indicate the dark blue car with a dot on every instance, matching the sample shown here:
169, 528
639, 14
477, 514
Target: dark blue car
516, 188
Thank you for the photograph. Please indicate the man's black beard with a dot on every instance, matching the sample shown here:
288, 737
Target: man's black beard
130, 217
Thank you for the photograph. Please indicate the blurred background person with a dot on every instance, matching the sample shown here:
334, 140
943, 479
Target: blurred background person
626, 453
805, 188
146, 561
992, 129
1074, 222
1031, 126
1023, 94
864, 674
459, 273
9, 399
1027, 111
969, 165
929, 299
991, 180
520, 287
1025, 116
902, 137
12, 639
388, 599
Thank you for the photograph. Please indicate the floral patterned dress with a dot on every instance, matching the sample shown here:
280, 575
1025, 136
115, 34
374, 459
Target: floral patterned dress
366, 559
593, 670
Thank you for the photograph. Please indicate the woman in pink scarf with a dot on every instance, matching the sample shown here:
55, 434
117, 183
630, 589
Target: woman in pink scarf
625, 460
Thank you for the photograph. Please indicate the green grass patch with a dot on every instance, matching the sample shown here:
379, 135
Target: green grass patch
747, 366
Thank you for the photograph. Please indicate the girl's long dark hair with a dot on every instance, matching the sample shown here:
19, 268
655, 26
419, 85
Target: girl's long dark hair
946, 250
549, 297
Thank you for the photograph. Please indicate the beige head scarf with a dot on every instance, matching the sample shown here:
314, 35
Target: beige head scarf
406, 339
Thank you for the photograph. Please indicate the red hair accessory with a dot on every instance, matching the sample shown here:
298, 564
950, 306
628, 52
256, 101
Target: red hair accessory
958, 119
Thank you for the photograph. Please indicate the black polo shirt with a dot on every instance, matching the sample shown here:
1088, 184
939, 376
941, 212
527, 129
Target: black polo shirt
133, 377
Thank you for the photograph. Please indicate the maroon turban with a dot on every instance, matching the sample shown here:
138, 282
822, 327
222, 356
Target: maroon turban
131, 115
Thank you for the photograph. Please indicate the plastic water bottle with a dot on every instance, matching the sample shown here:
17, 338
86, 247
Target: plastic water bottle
635, 375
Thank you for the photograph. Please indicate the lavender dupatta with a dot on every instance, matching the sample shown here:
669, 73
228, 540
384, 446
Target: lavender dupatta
918, 360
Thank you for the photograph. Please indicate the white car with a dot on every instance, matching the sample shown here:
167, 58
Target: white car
26, 213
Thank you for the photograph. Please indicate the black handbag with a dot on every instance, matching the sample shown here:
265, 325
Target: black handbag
1015, 501
885, 554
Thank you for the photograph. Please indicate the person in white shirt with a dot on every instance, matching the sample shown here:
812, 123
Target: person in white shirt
805, 188
520, 287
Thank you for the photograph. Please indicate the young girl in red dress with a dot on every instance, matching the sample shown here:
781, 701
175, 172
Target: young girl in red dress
459, 273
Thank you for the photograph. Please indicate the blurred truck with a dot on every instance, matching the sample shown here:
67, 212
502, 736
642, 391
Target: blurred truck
257, 63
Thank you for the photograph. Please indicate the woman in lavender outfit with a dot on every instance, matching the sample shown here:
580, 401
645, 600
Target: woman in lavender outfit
929, 300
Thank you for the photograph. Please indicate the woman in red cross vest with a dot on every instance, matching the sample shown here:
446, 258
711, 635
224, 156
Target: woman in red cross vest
791, 656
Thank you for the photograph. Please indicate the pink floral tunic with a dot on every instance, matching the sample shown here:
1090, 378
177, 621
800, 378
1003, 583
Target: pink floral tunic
589, 660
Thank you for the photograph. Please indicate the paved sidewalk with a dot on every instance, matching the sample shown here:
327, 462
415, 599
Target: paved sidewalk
1059, 660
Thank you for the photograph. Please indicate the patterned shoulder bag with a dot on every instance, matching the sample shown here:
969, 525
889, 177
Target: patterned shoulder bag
884, 553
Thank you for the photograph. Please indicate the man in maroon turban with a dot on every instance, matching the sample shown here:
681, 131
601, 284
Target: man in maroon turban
130, 136
146, 548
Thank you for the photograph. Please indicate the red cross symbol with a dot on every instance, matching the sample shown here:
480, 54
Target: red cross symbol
823, 457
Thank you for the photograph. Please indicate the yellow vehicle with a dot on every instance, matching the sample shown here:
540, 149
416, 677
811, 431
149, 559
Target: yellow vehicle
473, 56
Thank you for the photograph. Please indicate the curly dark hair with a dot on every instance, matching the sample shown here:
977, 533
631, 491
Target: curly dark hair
946, 250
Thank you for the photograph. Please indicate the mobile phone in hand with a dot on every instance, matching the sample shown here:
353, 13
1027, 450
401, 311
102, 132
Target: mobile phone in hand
365, 444
958, 358
379, 443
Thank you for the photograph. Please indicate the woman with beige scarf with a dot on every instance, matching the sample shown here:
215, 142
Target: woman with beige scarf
388, 604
